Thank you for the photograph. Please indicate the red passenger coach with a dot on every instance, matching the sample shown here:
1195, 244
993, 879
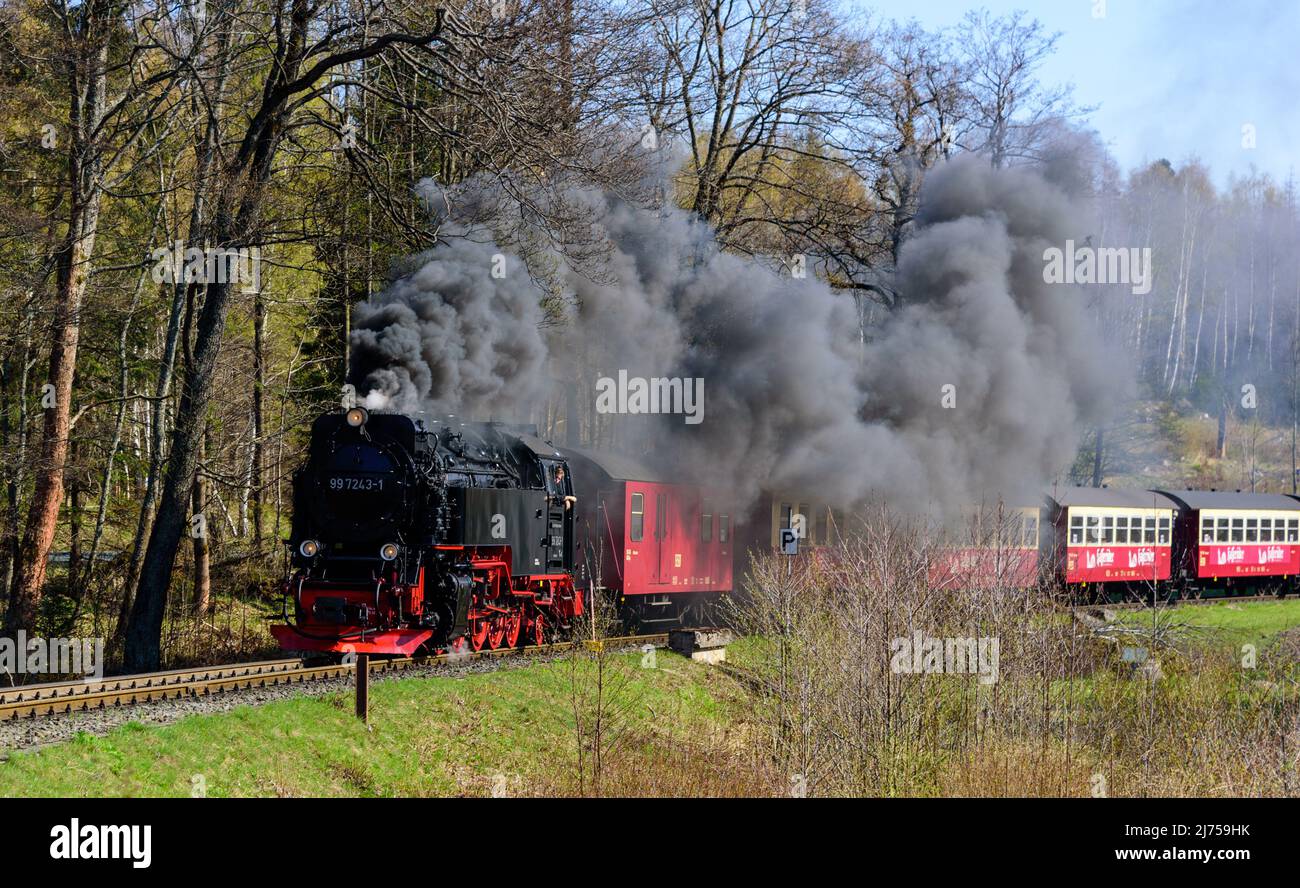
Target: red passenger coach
1237, 539
661, 550
994, 550
1119, 537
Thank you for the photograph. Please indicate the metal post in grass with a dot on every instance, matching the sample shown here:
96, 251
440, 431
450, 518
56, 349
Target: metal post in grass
363, 687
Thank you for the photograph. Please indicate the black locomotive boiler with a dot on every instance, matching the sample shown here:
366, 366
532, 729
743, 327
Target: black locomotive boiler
411, 534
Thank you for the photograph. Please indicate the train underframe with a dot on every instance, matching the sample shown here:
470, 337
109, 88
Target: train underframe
1190, 588
658, 612
464, 598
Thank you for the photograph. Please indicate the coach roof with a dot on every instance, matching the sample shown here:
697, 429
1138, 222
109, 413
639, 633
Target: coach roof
617, 466
1107, 497
1228, 499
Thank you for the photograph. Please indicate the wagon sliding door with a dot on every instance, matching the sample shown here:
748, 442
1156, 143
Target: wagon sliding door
661, 539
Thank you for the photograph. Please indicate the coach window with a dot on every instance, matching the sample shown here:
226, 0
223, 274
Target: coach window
1029, 537
1121, 529
1292, 529
1076, 530
1108, 529
1164, 531
1094, 529
1207, 529
1266, 530
1221, 530
724, 528
787, 510
638, 516
706, 525
1149, 533
823, 526
1237, 525
1252, 530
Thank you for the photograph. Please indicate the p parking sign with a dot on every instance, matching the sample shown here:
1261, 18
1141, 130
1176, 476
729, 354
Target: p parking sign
789, 541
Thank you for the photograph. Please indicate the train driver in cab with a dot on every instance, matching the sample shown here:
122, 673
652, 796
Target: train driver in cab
558, 490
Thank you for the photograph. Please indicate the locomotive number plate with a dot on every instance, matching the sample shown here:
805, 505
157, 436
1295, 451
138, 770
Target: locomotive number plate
355, 482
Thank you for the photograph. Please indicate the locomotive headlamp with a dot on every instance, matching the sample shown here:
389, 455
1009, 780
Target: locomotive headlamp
357, 417
309, 548
388, 551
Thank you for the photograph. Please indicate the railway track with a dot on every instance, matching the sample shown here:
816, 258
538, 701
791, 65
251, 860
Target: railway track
60, 698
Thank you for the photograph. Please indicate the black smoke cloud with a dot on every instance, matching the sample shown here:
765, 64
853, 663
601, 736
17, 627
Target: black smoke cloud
794, 399
451, 335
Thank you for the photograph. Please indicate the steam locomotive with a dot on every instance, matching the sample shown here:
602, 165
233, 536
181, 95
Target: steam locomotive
412, 535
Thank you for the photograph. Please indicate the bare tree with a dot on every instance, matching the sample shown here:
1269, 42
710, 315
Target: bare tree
762, 93
1011, 108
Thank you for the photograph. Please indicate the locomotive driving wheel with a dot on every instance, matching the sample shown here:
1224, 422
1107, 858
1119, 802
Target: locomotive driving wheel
514, 622
539, 629
496, 630
478, 633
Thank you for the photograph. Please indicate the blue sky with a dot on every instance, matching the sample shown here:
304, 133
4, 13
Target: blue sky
1171, 78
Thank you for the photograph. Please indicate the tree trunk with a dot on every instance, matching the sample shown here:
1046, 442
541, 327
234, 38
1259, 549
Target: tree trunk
199, 533
43, 513
88, 80
1221, 442
205, 160
143, 652
259, 388
1098, 456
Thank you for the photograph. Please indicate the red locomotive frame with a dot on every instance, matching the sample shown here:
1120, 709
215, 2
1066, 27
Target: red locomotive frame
503, 609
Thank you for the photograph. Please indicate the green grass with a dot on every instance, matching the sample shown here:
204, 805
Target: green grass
435, 736
1228, 622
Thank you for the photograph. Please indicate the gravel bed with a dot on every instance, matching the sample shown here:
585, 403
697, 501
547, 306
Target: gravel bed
34, 733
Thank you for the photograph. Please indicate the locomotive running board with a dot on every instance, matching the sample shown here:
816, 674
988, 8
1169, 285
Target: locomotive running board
403, 642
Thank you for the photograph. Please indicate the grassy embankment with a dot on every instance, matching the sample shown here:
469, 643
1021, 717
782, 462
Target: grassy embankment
684, 729
665, 730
